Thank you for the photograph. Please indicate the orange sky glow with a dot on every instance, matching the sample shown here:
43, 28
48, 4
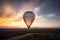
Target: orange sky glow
14, 19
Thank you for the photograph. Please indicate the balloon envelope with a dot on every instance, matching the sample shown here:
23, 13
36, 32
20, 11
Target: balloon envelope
28, 18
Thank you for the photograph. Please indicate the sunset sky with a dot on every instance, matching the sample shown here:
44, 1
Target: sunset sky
47, 13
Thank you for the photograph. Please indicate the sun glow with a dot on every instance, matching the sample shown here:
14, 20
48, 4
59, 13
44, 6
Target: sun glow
11, 15
13, 18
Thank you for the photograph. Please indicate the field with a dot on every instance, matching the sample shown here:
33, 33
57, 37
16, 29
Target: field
30, 34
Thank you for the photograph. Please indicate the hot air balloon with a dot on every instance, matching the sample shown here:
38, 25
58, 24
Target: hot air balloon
28, 18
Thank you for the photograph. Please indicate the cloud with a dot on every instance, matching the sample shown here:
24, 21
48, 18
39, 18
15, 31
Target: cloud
7, 11
1, 12
12, 17
51, 15
36, 9
41, 18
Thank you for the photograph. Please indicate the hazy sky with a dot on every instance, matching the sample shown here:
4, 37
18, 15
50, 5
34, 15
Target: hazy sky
47, 13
